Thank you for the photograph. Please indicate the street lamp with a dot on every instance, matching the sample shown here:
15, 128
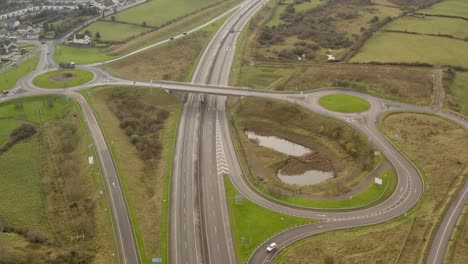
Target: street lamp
284, 222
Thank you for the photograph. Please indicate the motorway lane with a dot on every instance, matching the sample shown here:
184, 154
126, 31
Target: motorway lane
445, 229
209, 230
184, 236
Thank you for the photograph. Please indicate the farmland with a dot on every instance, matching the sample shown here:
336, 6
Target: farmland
431, 25
449, 7
458, 93
115, 31
106, 51
411, 48
38, 219
158, 12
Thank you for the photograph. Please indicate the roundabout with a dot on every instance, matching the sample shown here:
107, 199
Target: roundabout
344, 103
60, 79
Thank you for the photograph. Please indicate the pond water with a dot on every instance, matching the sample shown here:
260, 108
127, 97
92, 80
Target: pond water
291, 149
307, 178
281, 145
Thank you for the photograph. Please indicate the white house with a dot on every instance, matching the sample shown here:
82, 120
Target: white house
25, 29
81, 39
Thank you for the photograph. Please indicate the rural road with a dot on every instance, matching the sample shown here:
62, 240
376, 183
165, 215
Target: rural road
200, 230
445, 229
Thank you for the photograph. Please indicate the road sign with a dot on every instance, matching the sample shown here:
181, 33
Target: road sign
378, 181
157, 260
91, 160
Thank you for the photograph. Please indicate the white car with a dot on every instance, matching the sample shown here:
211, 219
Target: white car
271, 247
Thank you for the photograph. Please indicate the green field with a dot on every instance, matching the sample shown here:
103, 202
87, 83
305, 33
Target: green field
30, 181
449, 7
459, 91
344, 103
114, 31
431, 25
158, 12
21, 185
65, 54
251, 224
413, 48
79, 77
373, 194
9, 78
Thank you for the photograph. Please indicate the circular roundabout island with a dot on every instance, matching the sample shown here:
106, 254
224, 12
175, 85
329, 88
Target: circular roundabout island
344, 103
66, 78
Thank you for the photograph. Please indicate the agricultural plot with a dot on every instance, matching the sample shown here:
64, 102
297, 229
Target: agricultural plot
449, 8
458, 93
457, 28
409, 48
158, 12
115, 31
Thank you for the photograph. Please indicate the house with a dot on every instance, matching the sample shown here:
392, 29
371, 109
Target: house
32, 35
81, 39
8, 47
4, 33
25, 29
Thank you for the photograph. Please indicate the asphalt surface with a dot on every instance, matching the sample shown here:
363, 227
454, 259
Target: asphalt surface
200, 231
444, 232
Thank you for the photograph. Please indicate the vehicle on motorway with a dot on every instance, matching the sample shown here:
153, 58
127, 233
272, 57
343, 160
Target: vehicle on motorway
5, 92
43, 42
271, 247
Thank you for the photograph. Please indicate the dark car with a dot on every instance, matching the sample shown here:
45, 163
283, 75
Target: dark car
172, 38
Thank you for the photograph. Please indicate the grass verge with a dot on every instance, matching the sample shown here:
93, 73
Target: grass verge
252, 224
9, 78
344, 103
63, 78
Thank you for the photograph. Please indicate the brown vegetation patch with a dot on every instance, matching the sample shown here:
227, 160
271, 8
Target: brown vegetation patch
349, 154
172, 61
314, 161
62, 77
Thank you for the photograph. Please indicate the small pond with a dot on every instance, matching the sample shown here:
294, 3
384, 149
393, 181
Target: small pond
291, 149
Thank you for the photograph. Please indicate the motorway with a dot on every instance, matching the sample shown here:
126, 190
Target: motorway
200, 230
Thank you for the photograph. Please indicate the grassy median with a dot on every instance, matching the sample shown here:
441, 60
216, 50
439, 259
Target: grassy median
63, 78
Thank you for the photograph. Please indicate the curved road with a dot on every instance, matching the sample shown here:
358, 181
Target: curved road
200, 231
